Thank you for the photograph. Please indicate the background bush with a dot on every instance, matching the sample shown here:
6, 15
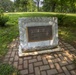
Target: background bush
61, 19
66, 21
3, 19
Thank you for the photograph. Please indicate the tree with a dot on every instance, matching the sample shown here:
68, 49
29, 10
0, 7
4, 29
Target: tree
53, 5
25, 5
6, 5
59, 5
72, 5
31, 6
37, 2
21, 5
50, 5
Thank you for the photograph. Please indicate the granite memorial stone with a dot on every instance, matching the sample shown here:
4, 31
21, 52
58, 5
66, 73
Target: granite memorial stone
38, 33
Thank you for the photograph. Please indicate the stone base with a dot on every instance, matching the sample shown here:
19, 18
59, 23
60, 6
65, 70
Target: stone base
39, 51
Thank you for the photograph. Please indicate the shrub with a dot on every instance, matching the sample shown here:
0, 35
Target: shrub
6, 69
61, 19
66, 21
3, 19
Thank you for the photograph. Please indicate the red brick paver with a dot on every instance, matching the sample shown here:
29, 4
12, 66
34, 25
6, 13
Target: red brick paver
56, 63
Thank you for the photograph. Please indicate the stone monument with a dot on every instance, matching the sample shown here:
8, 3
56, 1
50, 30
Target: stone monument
38, 35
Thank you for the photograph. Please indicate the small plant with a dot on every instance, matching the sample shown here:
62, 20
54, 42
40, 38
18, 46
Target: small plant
74, 61
3, 19
6, 69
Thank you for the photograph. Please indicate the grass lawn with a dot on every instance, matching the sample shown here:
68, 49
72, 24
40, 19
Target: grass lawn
68, 34
10, 32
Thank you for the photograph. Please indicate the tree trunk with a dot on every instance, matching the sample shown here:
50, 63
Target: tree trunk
38, 5
53, 7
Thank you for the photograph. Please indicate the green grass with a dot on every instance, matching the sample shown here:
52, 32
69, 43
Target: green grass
67, 31
51, 13
7, 34
68, 34
6, 69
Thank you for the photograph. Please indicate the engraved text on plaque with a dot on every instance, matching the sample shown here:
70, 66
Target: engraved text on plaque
39, 33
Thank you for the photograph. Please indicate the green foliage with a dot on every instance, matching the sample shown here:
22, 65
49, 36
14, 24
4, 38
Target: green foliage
7, 34
7, 5
59, 5
61, 19
34, 5
25, 5
3, 19
6, 69
50, 5
66, 21
68, 33
31, 7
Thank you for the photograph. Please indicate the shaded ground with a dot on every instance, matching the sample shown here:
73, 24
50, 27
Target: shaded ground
68, 34
56, 63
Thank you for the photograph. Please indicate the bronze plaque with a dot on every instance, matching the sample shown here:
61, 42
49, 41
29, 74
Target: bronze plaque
39, 33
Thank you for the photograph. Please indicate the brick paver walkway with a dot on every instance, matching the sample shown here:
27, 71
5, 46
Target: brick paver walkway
56, 63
